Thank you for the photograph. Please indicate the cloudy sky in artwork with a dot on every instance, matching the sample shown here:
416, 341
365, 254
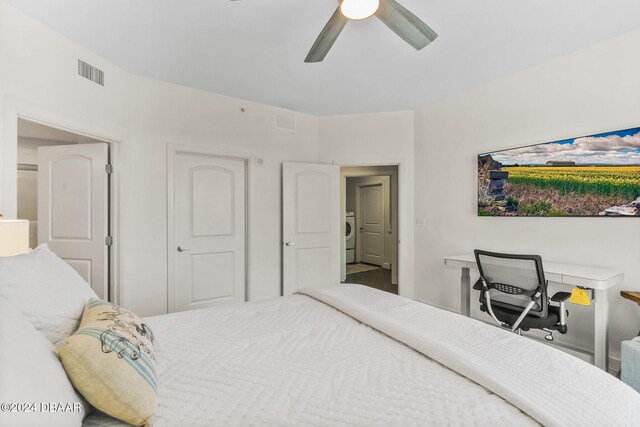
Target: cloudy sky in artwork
613, 148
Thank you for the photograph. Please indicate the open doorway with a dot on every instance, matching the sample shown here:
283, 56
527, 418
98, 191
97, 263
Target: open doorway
371, 224
64, 191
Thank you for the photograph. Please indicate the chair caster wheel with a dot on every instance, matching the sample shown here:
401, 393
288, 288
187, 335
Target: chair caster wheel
548, 337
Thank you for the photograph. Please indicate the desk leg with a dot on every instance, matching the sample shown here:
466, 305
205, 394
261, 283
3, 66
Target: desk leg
465, 292
601, 336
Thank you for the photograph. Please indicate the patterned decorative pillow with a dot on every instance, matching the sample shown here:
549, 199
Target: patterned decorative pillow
111, 361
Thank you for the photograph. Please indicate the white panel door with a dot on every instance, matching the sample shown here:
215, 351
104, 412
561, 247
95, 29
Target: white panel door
73, 218
372, 227
209, 226
310, 226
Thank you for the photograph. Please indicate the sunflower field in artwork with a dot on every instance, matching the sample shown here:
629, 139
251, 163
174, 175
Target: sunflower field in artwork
597, 175
623, 181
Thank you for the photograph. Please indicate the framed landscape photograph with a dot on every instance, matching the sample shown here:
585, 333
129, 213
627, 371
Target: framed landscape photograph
597, 175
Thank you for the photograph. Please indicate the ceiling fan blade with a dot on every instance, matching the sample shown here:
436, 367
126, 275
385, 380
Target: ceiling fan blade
405, 24
327, 37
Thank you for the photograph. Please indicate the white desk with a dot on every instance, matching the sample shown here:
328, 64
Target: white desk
594, 278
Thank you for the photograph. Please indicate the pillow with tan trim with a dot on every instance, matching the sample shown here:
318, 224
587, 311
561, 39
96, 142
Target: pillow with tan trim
111, 361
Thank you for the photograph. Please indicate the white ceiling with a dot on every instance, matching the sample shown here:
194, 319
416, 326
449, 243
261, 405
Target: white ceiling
254, 49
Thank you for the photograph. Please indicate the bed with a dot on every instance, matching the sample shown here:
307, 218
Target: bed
351, 355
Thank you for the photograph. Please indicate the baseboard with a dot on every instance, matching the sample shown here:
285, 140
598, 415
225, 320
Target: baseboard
386, 266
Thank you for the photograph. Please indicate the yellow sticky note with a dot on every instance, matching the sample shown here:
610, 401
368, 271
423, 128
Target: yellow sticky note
579, 296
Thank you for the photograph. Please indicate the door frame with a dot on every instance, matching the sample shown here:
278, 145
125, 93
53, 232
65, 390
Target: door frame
386, 190
14, 109
248, 158
405, 215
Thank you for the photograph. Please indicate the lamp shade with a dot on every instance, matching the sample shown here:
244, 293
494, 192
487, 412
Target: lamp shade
14, 237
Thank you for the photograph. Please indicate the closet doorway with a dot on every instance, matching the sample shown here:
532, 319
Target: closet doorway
63, 189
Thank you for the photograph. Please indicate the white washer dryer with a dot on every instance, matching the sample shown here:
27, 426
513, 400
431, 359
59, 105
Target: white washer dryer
350, 237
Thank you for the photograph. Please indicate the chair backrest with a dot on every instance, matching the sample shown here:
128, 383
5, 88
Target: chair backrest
513, 280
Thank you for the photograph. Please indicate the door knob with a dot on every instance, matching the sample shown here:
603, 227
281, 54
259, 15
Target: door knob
181, 249
289, 243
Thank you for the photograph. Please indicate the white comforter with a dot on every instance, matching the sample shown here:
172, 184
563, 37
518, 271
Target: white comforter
299, 361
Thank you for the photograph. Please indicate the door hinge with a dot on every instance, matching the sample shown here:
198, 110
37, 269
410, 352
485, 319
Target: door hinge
108, 168
108, 241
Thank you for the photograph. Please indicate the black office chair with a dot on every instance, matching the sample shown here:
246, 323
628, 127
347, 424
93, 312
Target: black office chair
513, 291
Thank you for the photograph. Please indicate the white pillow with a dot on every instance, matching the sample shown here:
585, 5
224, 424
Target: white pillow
31, 373
49, 292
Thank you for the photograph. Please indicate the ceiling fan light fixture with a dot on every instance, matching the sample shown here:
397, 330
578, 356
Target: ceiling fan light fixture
359, 9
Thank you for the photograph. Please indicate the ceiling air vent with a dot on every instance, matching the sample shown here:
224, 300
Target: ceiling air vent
285, 119
90, 72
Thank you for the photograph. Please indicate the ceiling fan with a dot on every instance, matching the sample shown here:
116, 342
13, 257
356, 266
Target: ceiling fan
395, 16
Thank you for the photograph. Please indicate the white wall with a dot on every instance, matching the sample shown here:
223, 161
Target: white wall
378, 139
38, 75
38, 78
166, 113
591, 91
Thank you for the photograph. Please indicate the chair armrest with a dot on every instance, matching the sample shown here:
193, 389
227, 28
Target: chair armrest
478, 285
560, 297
